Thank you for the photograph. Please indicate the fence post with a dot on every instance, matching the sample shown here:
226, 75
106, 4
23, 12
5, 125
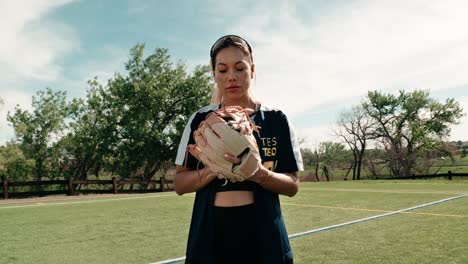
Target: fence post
163, 183
70, 186
450, 175
114, 184
5, 187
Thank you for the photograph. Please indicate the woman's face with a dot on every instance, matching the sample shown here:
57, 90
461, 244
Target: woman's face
233, 72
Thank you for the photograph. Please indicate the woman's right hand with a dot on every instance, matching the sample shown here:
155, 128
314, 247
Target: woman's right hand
187, 180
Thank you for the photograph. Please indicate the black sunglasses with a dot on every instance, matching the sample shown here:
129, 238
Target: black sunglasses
226, 41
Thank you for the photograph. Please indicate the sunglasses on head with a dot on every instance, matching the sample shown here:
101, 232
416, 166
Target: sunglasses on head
226, 41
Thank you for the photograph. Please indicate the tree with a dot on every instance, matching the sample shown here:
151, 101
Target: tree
38, 131
310, 158
307, 157
154, 102
316, 164
92, 133
13, 164
409, 124
464, 151
354, 128
333, 154
375, 161
130, 126
133, 125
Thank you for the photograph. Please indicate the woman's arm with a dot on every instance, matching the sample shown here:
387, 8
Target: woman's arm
280, 183
187, 180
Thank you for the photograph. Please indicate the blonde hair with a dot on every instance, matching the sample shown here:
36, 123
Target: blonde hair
216, 96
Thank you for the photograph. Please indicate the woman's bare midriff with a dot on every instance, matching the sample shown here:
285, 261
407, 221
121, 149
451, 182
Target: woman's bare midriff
234, 198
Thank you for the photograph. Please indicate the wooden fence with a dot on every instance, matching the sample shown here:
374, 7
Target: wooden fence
448, 175
69, 187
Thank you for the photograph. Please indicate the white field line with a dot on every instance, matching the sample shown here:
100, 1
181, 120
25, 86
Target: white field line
97, 200
381, 190
178, 260
376, 216
368, 210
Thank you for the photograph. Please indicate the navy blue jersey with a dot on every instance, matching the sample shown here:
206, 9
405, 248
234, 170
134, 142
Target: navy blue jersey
276, 141
279, 151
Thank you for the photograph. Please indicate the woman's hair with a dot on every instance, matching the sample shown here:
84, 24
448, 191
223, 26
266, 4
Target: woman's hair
221, 43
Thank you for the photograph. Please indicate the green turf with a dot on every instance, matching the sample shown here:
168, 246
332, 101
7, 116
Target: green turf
397, 239
153, 227
121, 231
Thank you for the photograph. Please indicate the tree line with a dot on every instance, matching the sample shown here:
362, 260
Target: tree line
129, 127
406, 133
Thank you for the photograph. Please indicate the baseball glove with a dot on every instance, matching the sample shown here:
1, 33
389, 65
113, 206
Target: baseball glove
227, 130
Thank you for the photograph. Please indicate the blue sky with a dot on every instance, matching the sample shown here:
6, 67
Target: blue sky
314, 59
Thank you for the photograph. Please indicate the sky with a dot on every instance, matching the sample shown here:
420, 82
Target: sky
314, 58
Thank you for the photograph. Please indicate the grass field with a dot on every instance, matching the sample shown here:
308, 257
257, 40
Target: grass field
153, 227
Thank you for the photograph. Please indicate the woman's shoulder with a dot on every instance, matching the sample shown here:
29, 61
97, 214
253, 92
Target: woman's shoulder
272, 111
207, 109
265, 107
201, 113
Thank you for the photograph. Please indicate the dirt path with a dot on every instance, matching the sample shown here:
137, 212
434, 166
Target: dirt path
58, 198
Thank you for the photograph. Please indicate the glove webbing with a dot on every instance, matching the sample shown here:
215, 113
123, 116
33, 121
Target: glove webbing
233, 109
226, 111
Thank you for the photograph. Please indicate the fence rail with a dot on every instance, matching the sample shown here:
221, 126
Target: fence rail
69, 187
448, 175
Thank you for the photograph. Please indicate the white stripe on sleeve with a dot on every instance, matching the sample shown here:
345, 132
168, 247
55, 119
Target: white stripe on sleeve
184, 142
295, 146
181, 151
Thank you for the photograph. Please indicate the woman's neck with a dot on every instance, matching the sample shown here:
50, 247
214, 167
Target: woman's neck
244, 103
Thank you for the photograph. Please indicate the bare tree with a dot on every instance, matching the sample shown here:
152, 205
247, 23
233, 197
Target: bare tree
354, 127
316, 164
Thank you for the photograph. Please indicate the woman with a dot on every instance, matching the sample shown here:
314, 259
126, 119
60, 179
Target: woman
240, 222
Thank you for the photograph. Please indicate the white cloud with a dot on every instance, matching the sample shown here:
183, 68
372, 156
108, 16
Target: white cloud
306, 58
30, 45
113, 60
304, 61
314, 135
30, 48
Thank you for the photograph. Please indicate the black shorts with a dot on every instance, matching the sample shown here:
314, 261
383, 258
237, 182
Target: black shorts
235, 235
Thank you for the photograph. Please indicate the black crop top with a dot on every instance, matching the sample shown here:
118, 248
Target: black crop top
223, 185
